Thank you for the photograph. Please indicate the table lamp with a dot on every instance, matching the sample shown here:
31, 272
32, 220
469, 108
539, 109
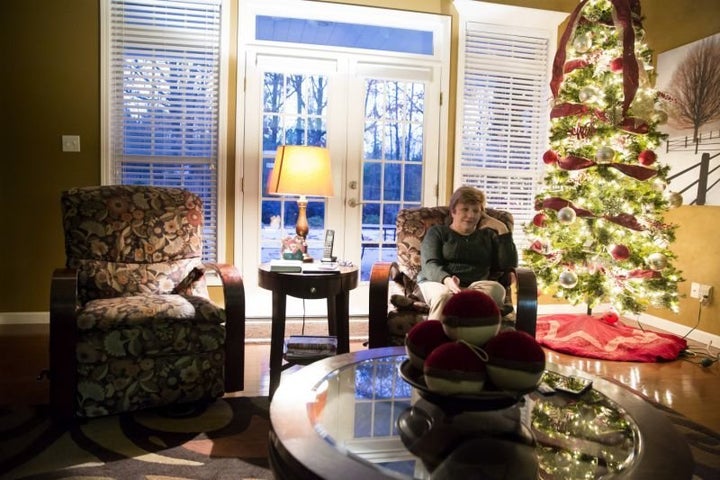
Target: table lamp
301, 170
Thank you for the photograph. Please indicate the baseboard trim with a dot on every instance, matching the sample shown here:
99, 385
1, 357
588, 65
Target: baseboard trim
24, 318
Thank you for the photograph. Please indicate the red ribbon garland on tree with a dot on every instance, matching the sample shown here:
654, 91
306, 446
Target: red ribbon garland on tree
573, 162
623, 11
624, 219
560, 55
623, 18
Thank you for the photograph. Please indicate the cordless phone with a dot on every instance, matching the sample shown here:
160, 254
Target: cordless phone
328, 246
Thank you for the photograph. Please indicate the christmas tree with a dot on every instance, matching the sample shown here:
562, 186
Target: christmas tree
599, 234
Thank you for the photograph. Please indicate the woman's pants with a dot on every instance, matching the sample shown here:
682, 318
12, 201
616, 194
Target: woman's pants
436, 295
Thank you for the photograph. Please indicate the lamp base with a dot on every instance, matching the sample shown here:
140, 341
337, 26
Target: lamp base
307, 258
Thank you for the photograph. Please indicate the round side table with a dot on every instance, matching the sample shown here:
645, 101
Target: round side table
333, 286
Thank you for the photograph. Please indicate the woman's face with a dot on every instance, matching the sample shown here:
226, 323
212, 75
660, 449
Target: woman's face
466, 216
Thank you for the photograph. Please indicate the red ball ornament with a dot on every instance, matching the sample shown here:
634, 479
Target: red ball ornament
422, 339
540, 220
620, 252
610, 318
455, 368
550, 157
516, 361
616, 65
647, 157
471, 315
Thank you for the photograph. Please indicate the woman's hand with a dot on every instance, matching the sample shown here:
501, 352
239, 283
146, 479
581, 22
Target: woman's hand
452, 284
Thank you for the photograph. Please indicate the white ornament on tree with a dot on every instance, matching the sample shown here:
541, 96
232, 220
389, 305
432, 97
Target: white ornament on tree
566, 215
568, 279
675, 199
604, 154
587, 94
582, 43
657, 261
659, 116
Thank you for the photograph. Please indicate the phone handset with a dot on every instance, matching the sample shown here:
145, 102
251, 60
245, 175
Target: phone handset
328, 246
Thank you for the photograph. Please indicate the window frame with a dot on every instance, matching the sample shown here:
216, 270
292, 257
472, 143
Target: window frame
107, 161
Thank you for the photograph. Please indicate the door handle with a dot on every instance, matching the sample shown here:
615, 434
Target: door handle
352, 203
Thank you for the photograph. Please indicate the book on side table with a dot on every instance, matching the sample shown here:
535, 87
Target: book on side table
282, 265
308, 348
321, 267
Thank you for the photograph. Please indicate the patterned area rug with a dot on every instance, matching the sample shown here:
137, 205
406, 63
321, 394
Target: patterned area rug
227, 439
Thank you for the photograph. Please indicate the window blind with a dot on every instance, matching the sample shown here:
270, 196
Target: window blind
503, 117
164, 77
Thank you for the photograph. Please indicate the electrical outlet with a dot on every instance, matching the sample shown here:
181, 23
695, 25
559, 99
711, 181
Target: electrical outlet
706, 293
700, 291
71, 143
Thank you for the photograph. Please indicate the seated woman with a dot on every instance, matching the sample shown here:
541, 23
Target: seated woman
465, 253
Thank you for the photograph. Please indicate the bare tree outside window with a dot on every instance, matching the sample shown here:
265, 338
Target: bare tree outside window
695, 88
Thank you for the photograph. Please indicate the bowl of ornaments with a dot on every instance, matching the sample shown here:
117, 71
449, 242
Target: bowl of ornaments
464, 361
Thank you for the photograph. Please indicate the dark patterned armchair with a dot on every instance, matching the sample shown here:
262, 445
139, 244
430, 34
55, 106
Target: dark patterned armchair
131, 323
396, 302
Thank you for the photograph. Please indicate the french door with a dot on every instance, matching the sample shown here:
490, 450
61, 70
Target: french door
381, 123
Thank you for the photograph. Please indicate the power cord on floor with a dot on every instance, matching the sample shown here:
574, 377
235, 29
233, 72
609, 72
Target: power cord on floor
700, 307
699, 357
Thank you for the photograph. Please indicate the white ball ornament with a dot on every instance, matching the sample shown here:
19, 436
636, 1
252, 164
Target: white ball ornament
568, 279
675, 199
604, 154
587, 94
659, 116
566, 215
582, 43
615, 114
659, 185
657, 261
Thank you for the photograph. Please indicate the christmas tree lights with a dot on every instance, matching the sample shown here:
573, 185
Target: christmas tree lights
599, 234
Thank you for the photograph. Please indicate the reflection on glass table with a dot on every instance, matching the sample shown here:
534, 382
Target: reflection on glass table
355, 416
369, 412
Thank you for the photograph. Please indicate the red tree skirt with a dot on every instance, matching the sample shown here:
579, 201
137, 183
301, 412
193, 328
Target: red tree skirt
588, 336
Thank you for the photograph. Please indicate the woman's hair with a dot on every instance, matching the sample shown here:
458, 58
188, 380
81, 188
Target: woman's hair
466, 194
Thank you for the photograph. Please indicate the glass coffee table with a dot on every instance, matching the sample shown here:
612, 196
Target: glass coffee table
364, 415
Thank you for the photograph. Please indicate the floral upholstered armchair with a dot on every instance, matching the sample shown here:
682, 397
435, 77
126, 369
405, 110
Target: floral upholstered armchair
396, 302
131, 323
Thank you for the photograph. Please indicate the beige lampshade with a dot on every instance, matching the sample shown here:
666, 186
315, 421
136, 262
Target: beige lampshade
301, 170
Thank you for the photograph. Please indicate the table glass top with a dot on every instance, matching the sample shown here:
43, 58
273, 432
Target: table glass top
369, 412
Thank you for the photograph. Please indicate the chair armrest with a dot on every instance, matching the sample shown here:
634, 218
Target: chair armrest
527, 293
381, 275
63, 340
234, 298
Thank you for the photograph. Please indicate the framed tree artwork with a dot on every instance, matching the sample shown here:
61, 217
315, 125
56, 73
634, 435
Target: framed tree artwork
688, 82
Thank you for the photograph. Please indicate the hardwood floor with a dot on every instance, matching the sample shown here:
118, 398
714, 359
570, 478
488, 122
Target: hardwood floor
683, 385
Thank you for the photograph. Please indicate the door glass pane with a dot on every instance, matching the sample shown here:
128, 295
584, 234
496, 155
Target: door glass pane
294, 113
392, 163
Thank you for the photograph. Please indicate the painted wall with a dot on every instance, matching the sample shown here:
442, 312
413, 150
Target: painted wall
698, 254
50, 86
